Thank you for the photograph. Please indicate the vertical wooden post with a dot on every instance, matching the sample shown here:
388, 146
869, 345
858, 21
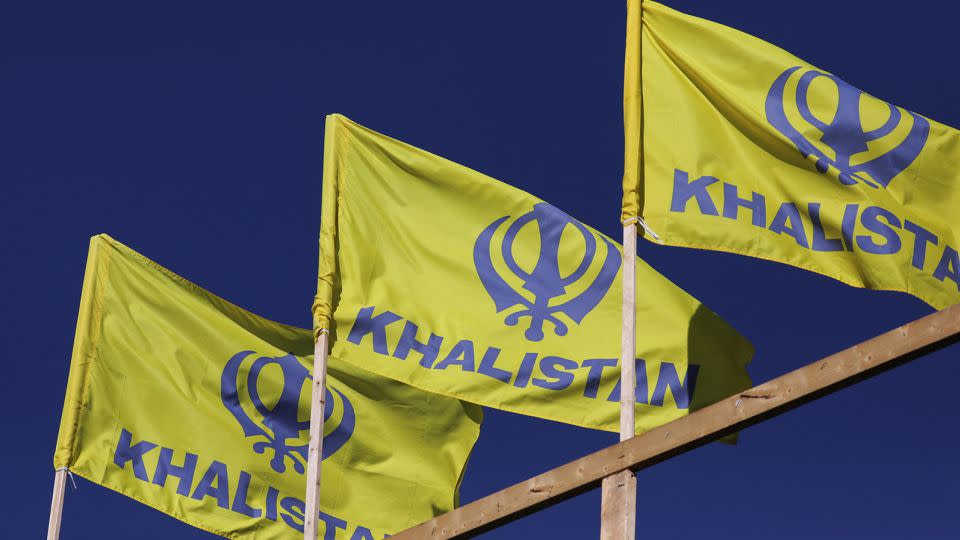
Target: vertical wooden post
315, 450
56, 507
735, 413
619, 491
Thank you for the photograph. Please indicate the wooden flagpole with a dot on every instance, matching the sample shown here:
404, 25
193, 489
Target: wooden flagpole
737, 412
618, 505
311, 514
56, 507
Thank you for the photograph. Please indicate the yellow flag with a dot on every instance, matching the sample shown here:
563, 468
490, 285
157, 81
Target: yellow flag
735, 145
193, 406
446, 279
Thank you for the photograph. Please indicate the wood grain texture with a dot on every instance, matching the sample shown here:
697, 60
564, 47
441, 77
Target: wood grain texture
315, 449
618, 514
618, 501
730, 415
56, 506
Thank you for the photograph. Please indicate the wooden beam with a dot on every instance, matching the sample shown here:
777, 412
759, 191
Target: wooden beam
730, 415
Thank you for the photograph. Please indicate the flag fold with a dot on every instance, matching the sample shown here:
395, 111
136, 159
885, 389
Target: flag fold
200, 409
734, 144
448, 280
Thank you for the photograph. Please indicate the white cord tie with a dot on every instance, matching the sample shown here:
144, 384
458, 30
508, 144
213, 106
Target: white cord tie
639, 221
70, 476
648, 229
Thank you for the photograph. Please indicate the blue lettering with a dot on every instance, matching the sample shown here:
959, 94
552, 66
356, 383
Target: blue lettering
669, 379
684, 190
361, 533
215, 483
408, 341
461, 355
640, 391
217, 472
166, 468
595, 375
526, 369
557, 373
871, 220
125, 452
788, 221
272, 495
921, 237
377, 326
331, 526
849, 224
294, 517
949, 266
488, 368
240, 499
756, 204
820, 240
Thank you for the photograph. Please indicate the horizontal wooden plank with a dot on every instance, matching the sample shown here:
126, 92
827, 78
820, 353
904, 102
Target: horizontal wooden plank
733, 414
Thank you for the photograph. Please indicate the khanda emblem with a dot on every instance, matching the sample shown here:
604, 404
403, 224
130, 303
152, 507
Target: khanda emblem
842, 130
546, 291
270, 399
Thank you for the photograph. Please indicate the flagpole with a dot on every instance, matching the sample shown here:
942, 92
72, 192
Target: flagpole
311, 513
56, 507
628, 335
619, 491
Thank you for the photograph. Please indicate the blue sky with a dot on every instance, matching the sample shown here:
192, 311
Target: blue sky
193, 132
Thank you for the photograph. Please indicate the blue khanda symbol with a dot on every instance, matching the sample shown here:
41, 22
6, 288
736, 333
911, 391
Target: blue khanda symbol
844, 133
544, 282
278, 426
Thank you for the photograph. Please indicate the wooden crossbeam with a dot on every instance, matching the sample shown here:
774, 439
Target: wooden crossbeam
733, 414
